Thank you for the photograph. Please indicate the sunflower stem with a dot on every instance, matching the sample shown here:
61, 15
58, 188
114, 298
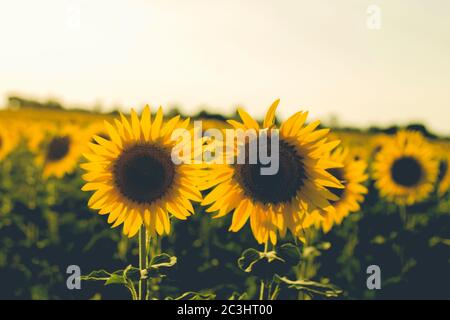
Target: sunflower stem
261, 290
403, 215
142, 262
275, 293
269, 291
266, 247
263, 284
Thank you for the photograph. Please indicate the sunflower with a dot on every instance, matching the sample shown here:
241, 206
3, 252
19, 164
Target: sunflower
405, 169
275, 203
352, 175
8, 140
36, 133
134, 178
61, 151
444, 174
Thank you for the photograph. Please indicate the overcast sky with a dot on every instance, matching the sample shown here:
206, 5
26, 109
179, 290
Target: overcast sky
317, 55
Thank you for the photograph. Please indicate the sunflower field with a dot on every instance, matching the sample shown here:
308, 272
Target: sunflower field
102, 194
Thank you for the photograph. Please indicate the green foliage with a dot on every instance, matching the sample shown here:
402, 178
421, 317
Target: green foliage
194, 296
129, 276
266, 264
312, 287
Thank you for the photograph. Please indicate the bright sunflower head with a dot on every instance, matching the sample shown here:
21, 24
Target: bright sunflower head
405, 169
134, 178
8, 140
275, 203
352, 175
61, 152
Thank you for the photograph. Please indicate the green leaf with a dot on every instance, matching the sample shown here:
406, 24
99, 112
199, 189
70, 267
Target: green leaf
290, 253
238, 296
248, 259
160, 262
194, 296
131, 273
163, 260
97, 275
267, 264
115, 279
325, 289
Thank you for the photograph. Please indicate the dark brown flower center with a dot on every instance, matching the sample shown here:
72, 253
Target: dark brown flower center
58, 148
339, 174
279, 187
144, 173
406, 171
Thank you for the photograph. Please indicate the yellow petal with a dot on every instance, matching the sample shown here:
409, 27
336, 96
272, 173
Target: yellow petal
91, 186
218, 192
146, 121
173, 209
169, 126
135, 124
112, 132
270, 115
247, 119
163, 216
135, 226
156, 126
126, 126
236, 125
241, 215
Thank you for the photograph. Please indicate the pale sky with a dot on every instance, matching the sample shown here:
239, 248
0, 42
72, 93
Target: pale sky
317, 55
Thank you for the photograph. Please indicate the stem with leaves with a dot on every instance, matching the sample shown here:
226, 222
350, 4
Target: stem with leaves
143, 263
